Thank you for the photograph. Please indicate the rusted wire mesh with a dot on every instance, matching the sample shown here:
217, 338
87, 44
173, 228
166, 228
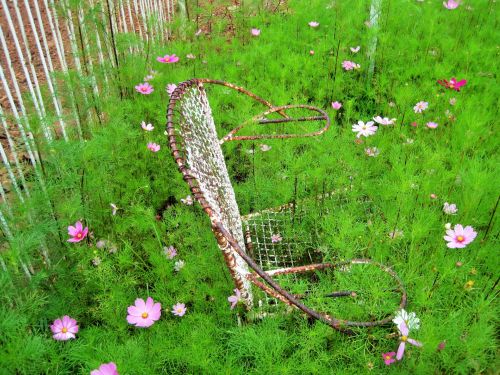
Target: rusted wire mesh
283, 239
203, 157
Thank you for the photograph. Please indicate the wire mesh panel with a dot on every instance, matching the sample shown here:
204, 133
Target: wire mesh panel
284, 239
274, 244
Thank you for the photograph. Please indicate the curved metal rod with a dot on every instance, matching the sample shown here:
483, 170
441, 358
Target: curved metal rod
322, 266
259, 119
218, 227
336, 323
241, 90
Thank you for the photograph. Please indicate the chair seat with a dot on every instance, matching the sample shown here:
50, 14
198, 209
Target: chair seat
296, 260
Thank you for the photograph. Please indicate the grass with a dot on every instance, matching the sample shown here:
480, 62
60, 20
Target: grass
418, 43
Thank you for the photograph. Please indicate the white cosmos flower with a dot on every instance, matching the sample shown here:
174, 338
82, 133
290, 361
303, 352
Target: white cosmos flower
384, 120
420, 106
147, 127
410, 319
372, 151
364, 129
188, 201
450, 209
179, 265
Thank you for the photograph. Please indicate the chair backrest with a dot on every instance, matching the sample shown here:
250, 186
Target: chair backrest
197, 151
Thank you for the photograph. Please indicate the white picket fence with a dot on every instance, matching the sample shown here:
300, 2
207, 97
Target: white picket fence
43, 42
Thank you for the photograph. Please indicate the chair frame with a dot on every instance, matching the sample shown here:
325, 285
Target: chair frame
229, 245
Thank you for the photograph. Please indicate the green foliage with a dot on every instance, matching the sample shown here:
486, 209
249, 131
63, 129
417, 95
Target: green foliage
418, 43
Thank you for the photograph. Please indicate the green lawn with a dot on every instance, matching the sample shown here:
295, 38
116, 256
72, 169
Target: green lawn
401, 190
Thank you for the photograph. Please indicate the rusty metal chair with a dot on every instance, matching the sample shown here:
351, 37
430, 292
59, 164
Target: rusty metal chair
250, 253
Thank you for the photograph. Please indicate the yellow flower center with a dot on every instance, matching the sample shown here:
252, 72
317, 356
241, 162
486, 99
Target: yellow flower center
460, 238
79, 235
144, 315
64, 330
387, 357
404, 338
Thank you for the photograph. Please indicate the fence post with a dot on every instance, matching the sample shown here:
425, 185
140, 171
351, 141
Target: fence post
375, 9
48, 77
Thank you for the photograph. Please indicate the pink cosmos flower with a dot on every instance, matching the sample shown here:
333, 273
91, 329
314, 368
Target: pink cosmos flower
170, 252
77, 232
336, 105
384, 120
372, 151
171, 88
403, 330
106, 369
459, 237
433, 196
234, 299
149, 77
432, 125
388, 358
275, 238
153, 147
167, 59
311, 52
450, 209
313, 24
456, 85
147, 127
350, 65
363, 129
420, 107
114, 208
64, 329
144, 314
190, 56
144, 88
255, 32
452, 84
441, 346
451, 4
355, 49
414, 124
179, 309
